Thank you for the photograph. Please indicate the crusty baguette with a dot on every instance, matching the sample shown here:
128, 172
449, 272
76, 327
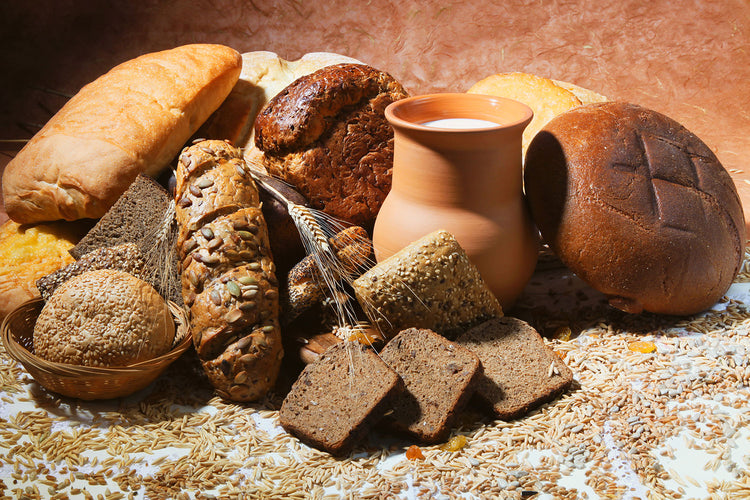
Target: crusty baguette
133, 119
228, 275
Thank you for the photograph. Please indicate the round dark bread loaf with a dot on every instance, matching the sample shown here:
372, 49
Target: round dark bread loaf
326, 134
637, 206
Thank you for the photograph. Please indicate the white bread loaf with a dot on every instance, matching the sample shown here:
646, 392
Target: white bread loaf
264, 74
133, 119
547, 98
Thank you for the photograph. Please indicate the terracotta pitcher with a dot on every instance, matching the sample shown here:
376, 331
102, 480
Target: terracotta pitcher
467, 181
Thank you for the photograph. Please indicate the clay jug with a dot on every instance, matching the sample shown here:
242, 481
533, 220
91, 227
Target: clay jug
467, 181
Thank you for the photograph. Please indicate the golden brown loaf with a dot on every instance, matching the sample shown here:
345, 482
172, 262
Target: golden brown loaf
547, 98
228, 275
326, 134
637, 206
134, 119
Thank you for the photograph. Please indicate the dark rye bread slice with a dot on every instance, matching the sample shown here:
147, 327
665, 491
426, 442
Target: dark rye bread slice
139, 216
520, 370
440, 378
339, 397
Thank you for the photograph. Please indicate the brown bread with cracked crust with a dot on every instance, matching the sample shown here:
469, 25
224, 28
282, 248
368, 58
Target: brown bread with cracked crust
326, 134
228, 274
637, 206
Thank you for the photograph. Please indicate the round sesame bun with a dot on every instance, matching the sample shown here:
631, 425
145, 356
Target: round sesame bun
104, 318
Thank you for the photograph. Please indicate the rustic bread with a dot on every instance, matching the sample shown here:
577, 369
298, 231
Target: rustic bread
439, 378
143, 216
134, 119
339, 397
264, 74
228, 274
326, 134
28, 252
520, 371
430, 284
637, 206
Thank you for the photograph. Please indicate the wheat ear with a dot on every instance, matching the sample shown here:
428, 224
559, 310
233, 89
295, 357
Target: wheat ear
315, 228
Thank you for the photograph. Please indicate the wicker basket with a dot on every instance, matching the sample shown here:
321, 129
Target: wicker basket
85, 382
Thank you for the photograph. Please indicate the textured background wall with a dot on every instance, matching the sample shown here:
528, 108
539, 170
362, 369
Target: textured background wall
688, 59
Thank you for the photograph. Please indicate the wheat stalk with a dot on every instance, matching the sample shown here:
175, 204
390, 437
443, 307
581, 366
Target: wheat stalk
161, 252
315, 227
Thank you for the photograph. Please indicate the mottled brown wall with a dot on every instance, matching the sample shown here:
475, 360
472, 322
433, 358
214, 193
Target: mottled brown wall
688, 59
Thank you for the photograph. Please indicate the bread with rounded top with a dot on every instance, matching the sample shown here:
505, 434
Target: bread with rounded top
133, 119
637, 206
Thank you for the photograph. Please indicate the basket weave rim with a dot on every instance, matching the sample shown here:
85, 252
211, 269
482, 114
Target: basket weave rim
19, 353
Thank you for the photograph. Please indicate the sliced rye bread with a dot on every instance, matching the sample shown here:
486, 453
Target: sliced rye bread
520, 370
440, 378
337, 399
141, 216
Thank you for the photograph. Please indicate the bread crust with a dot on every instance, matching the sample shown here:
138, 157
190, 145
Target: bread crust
264, 74
326, 134
637, 206
133, 119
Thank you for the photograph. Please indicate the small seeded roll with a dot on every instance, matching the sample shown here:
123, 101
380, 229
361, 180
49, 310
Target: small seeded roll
637, 206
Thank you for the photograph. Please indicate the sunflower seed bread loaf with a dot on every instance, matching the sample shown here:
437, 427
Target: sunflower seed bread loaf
228, 275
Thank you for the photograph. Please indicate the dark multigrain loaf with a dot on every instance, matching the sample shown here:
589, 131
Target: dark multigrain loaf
125, 257
142, 216
637, 206
228, 274
431, 283
520, 371
326, 134
439, 378
339, 397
